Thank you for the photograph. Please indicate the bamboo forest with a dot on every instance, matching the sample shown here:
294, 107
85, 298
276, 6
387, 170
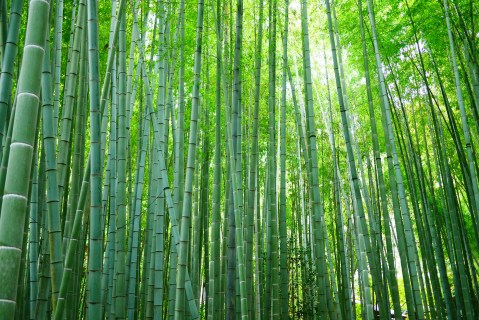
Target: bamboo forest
239, 159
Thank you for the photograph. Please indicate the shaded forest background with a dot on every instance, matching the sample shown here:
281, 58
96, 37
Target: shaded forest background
267, 159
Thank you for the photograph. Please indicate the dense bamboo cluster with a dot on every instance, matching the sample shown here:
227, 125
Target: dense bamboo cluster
270, 159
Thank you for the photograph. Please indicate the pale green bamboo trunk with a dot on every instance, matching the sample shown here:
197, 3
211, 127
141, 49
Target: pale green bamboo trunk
14, 204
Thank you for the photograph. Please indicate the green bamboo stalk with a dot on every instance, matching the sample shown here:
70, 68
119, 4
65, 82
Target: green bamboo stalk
345, 293
33, 243
230, 298
159, 253
108, 269
113, 184
159, 207
132, 292
9, 52
178, 152
160, 275
165, 186
3, 25
238, 230
316, 201
282, 209
68, 104
95, 247
57, 61
469, 313
43, 267
272, 263
120, 254
76, 228
196, 222
78, 159
169, 199
180, 123
49, 143
214, 282
378, 162
17, 180
6, 81
190, 168
253, 165
21, 311
411, 248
